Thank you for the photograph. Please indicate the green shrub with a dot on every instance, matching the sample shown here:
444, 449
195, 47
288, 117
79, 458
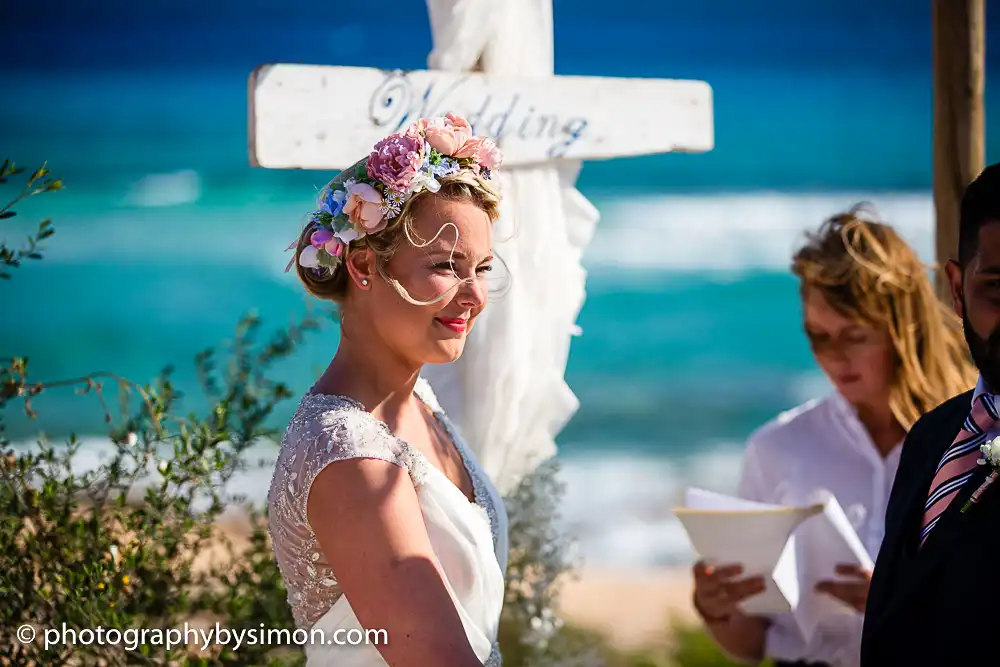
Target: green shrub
116, 546
531, 633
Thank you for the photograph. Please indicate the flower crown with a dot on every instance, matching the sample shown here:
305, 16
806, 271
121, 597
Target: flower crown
399, 167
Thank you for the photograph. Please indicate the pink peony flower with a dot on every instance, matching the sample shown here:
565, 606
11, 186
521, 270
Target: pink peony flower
363, 207
396, 159
470, 148
484, 150
490, 155
459, 123
445, 137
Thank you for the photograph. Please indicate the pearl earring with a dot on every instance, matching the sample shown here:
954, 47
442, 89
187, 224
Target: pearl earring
364, 281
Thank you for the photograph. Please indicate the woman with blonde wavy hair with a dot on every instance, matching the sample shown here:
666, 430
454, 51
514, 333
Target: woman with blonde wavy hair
390, 539
892, 351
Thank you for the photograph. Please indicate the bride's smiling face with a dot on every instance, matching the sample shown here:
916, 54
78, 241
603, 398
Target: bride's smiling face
442, 265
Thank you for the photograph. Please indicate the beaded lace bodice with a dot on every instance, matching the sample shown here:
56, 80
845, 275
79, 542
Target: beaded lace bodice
328, 428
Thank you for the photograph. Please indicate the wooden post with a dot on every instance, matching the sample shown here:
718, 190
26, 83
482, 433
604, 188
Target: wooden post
959, 146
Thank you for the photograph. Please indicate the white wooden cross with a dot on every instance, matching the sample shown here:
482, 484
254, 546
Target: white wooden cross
324, 117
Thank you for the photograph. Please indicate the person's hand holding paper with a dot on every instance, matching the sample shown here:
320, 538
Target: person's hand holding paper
718, 591
754, 535
811, 560
851, 588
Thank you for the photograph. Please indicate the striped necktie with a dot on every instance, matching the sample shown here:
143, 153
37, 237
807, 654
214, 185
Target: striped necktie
959, 462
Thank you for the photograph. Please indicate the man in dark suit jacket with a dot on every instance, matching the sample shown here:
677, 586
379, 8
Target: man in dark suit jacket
934, 597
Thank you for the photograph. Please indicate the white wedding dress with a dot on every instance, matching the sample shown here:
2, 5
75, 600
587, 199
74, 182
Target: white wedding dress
469, 539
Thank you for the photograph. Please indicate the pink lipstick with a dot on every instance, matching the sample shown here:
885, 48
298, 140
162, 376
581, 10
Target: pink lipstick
456, 324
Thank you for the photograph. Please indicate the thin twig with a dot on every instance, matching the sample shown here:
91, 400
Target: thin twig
38, 387
21, 197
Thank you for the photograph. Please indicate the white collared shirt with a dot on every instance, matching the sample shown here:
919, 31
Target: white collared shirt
821, 445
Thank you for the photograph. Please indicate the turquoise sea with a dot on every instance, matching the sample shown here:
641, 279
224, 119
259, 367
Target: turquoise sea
691, 330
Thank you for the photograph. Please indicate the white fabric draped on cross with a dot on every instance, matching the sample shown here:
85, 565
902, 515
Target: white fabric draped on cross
507, 392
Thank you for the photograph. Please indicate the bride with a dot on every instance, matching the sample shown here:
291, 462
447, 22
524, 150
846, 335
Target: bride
382, 523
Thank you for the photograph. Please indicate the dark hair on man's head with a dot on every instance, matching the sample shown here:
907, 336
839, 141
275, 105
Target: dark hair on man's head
980, 205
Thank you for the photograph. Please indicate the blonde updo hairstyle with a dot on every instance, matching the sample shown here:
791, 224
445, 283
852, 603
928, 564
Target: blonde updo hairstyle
333, 285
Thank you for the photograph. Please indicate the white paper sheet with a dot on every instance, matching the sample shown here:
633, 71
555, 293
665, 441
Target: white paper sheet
793, 548
822, 543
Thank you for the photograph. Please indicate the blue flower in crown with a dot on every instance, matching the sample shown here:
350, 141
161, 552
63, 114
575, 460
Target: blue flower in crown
333, 203
445, 167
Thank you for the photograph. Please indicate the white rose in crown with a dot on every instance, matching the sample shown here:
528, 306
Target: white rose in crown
991, 452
